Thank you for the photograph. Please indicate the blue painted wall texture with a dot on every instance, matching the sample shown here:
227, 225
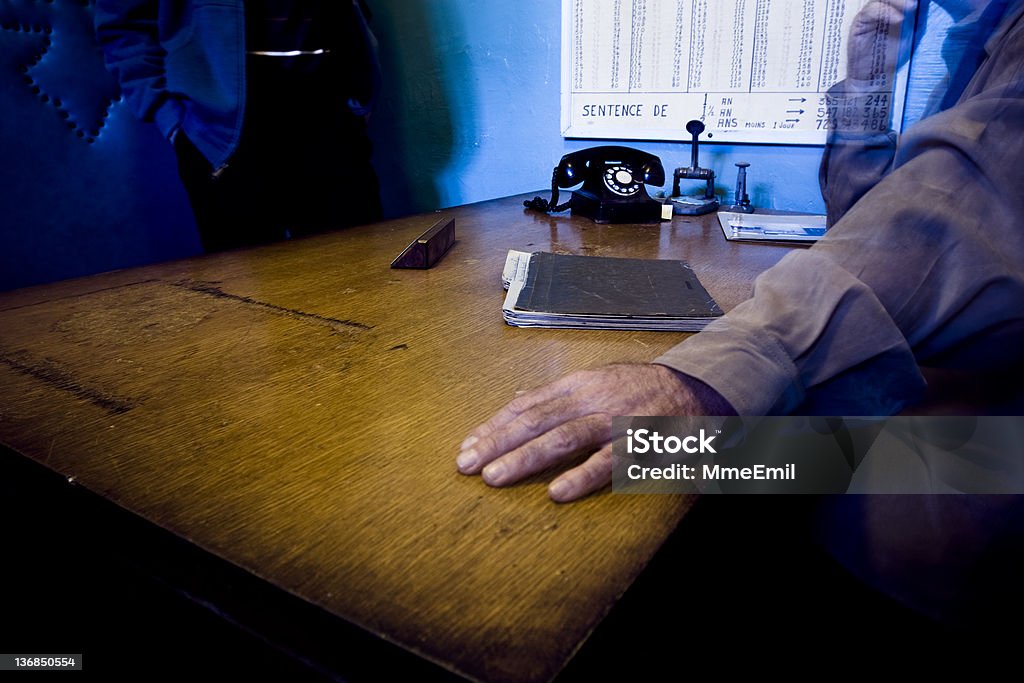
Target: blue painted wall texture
472, 108
470, 112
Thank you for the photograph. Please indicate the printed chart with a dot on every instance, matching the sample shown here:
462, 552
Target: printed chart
752, 70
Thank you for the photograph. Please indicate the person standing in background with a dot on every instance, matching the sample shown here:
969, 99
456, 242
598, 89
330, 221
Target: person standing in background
265, 102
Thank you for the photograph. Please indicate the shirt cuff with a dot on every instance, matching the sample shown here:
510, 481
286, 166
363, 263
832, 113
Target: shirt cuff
751, 371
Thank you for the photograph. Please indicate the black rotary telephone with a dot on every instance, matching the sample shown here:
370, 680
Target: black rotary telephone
614, 180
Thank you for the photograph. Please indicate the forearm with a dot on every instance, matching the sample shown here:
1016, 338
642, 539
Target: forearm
911, 274
809, 326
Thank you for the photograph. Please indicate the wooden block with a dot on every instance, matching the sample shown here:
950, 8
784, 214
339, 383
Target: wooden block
428, 248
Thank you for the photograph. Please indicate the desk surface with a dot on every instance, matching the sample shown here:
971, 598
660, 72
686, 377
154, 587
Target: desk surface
296, 410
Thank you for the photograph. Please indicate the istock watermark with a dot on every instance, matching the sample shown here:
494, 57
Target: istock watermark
799, 454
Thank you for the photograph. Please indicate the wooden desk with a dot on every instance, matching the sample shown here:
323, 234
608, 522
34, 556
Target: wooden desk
296, 410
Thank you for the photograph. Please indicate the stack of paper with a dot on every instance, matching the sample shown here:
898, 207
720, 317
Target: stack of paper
596, 292
759, 227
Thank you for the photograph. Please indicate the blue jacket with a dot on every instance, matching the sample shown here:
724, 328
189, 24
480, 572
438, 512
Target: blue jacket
181, 64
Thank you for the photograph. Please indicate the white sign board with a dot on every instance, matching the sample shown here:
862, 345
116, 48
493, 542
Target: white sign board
751, 70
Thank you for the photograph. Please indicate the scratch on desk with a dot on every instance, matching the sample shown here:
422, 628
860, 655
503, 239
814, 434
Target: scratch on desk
46, 371
210, 289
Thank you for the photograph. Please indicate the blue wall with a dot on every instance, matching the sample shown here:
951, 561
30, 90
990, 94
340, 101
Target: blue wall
472, 109
471, 112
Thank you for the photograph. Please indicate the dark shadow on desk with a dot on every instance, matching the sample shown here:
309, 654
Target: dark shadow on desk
81, 575
738, 587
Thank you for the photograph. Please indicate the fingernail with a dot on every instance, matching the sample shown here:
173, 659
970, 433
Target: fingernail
470, 440
467, 460
494, 474
559, 489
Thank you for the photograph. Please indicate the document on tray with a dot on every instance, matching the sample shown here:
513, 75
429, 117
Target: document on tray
757, 227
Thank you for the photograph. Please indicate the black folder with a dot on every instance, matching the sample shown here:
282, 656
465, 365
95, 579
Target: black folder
561, 290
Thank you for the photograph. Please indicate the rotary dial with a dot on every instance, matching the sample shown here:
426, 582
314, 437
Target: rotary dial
620, 180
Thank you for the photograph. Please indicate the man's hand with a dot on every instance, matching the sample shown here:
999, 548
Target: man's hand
864, 51
573, 416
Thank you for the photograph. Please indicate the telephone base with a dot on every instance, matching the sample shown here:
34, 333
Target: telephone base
638, 210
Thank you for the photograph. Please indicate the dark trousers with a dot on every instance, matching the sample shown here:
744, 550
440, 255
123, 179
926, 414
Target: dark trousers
302, 166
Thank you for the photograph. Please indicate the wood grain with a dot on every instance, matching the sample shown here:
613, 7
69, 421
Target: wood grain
296, 410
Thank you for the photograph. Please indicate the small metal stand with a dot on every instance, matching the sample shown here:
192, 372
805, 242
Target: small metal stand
694, 205
742, 204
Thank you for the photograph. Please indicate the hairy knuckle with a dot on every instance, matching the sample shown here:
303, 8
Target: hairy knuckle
518, 405
596, 471
586, 477
532, 422
599, 426
603, 460
531, 458
486, 445
561, 445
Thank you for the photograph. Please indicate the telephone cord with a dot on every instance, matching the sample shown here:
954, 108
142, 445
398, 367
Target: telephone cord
541, 204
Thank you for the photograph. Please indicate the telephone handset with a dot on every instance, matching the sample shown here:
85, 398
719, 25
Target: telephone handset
614, 185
